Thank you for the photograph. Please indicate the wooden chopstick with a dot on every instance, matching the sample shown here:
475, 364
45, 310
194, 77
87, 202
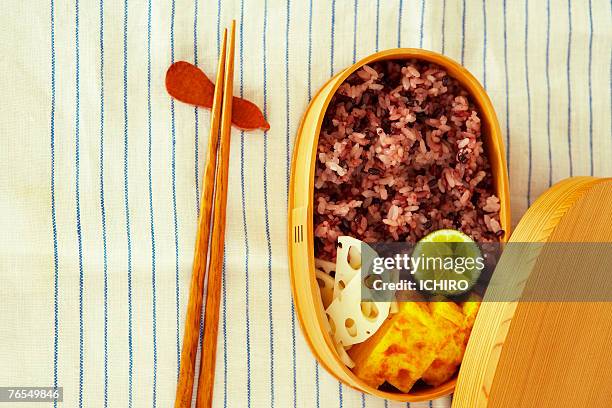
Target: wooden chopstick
184, 387
213, 296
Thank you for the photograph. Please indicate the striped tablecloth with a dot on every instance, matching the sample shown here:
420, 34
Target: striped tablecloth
100, 172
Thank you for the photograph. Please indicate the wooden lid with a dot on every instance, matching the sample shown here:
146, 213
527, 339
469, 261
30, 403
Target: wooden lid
554, 353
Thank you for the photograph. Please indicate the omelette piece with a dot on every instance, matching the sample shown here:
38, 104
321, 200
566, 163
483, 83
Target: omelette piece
459, 319
446, 312
402, 349
450, 316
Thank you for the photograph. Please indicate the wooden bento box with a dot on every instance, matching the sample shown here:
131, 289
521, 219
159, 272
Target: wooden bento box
301, 241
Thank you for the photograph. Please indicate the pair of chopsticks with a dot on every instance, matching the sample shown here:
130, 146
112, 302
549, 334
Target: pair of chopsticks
214, 200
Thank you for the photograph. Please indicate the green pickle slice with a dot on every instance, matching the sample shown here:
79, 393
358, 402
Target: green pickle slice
451, 263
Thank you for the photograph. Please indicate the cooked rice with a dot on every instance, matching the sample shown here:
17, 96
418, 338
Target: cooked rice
400, 155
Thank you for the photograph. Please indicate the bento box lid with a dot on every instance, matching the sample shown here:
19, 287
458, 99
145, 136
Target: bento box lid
550, 352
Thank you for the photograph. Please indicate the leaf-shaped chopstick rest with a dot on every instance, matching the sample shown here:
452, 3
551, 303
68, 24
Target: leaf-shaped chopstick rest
187, 83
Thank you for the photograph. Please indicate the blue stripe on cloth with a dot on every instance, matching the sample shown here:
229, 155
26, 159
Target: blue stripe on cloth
422, 24
309, 70
355, 13
103, 208
126, 199
195, 32
244, 216
591, 86
333, 29
151, 213
377, 22
309, 75
484, 44
265, 178
246, 269
196, 141
463, 13
550, 167
53, 218
507, 86
174, 212
569, 87
399, 23
218, 27
317, 395
529, 167
443, 24
77, 159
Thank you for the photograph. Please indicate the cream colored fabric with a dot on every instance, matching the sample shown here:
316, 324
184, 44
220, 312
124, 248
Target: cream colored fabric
549, 80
